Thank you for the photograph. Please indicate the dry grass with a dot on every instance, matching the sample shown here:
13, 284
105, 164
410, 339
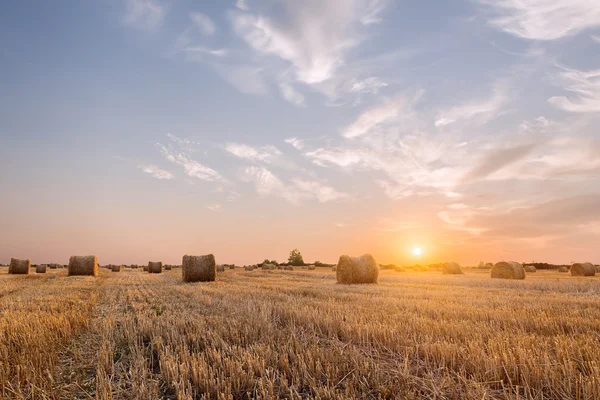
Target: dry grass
269, 334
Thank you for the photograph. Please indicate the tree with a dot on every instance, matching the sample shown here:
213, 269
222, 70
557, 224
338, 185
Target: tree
295, 258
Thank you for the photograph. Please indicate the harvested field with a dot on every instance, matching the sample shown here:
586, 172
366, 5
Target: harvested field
298, 334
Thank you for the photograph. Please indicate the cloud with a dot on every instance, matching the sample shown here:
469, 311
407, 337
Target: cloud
497, 159
242, 5
214, 207
156, 172
298, 144
206, 50
544, 19
313, 35
480, 110
144, 14
322, 192
596, 38
290, 94
554, 217
265, 154
298, 190
246, 79
191, 167
374, 117
585, 85
204, 23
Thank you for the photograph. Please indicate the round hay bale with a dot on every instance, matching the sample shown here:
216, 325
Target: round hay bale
248, 267
232, 266
363, 269
199, 268
83, 265
452, 268
334, 268
597, 269
168, 267
508, 270
40, 269
265, 267
563, 269
155, 267
530, 268
583, 269
220, 268
116, 268
288, 268
311, 267
398, 268
54, 266
19, 267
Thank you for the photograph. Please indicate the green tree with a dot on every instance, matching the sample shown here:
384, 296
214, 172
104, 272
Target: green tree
295, 258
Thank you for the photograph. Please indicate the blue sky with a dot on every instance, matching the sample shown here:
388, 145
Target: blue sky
141, 129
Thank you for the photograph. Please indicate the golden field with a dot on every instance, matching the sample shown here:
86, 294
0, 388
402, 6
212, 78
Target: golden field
283, 334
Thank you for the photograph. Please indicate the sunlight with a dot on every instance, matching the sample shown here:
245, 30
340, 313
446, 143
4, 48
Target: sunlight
417, 251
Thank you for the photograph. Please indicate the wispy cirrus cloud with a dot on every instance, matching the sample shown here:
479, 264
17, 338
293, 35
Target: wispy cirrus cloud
296, 143
544, 19
265, 154
192, 168
156, 172
315, 37
204, 23
479, 110
586, 88
296, 191
146, 15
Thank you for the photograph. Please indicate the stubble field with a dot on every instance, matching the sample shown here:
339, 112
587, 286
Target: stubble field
283, 334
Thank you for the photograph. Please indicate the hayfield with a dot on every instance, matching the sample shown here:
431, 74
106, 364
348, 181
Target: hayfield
298, 334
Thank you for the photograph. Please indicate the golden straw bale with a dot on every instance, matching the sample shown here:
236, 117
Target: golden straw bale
220, 268
155, 267
530, 268
583, 269
19, 267
116, 268
199, 268
563, 269
83, 265
452, 268
363, 269
311, 267
40, 269
508, 270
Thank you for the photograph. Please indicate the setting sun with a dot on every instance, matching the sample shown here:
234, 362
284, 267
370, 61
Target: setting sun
417, 251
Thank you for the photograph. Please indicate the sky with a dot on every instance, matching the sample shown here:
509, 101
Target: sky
141, 130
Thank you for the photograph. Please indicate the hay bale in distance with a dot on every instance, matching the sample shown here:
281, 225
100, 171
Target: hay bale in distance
54, 266
199, 268
452, 268
583, 269
116, 268
40, 269
145, 268
398, 268
220, 268
363, 269
232, 266
83, 265
288, 268
168, 267
248, 268
155, 267
19, 267
563, 269
311, 267
530, 268
508, 270
334, 268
